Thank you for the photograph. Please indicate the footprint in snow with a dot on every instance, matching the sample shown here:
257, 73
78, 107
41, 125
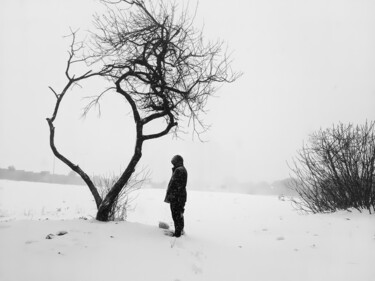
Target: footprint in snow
198, 254
280, 238
196, 269
264, 229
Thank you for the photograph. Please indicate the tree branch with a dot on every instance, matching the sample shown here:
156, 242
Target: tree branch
56, 95
170, 125
72, 166
72, 80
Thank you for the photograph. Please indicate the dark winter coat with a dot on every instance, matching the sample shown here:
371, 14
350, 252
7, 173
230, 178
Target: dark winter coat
176, 192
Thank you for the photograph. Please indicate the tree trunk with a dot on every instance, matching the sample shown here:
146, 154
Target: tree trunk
105, 207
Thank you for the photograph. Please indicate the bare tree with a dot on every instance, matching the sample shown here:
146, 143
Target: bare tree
158, 62
335, 170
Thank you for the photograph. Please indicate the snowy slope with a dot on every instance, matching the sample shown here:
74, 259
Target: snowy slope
229, 237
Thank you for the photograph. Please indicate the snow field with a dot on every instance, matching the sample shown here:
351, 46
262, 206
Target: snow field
228, 237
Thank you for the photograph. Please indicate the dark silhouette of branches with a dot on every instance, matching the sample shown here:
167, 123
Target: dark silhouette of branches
335, 170
72, 80
158, 62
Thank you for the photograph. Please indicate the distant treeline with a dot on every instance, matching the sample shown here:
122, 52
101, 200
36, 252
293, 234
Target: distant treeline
280, 187
12, 173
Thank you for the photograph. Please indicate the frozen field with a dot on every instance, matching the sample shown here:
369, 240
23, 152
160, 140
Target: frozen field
229, 237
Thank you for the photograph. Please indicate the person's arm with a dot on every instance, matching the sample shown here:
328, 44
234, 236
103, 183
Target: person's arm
174, 184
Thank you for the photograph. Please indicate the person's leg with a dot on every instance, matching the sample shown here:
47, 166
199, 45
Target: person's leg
178, 218
174, 213
182, 211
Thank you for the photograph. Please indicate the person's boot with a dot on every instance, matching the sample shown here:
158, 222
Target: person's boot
177, 233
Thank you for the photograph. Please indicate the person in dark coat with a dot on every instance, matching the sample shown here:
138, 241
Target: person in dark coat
176, 194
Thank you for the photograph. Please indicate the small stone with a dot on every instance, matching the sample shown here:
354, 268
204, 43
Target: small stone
50, 236
62, 232
163, 225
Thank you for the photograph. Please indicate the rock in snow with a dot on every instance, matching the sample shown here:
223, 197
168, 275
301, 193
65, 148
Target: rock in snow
50, 236
59, 233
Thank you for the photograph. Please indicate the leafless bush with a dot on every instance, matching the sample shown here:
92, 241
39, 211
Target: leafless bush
123, 202
335, 170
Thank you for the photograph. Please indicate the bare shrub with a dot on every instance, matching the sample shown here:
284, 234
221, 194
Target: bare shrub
335, 169
123, 202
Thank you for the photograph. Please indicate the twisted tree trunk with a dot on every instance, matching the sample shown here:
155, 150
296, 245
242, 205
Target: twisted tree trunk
105, 207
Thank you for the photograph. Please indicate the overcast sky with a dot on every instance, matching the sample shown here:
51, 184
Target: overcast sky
306, 65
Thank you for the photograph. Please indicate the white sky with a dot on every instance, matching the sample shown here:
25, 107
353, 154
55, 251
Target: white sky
306, 64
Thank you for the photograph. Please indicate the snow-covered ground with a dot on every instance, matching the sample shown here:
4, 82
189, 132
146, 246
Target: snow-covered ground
228, 237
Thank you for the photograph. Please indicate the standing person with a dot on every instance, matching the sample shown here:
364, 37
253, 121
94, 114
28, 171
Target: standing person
176, 194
